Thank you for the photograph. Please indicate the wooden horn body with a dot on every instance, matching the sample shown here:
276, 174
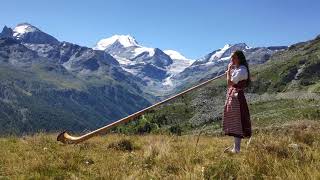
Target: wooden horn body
65, 138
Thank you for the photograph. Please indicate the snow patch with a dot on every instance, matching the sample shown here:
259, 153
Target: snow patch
225, 58
24, 28
167, 81
123, 61
220, 52
178, 66
174, 54
124, 40
140, 50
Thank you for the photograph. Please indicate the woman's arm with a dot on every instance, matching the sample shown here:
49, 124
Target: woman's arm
228, 72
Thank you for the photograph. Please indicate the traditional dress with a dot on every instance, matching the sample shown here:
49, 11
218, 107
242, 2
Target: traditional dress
236, 116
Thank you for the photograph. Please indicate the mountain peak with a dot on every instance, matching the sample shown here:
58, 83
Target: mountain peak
28, 33
124, 40
23, 28
241, 46
175, 55
226, 51
226, 46
25, 24
6, 32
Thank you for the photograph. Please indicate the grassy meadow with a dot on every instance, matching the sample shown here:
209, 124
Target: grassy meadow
290, 151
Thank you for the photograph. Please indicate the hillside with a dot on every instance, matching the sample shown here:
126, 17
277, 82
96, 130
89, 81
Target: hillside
285, 88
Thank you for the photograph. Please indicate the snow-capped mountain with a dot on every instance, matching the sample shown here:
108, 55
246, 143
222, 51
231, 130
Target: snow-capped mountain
222, 54
169, 69
179, 62
211, 64
149, 64
154, 66
28, 33
129, 52
80, 60
215, 63
122, 57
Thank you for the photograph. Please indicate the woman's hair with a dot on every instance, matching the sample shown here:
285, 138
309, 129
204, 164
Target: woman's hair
243, 61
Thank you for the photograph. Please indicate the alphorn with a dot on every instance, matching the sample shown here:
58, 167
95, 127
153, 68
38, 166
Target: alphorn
65, 138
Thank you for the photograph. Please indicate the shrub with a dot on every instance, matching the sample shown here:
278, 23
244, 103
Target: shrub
123, 145
176, 129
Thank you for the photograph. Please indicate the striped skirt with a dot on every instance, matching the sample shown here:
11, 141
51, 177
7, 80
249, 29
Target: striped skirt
236, 116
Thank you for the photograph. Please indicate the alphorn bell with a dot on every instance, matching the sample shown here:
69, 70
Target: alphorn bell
65, 138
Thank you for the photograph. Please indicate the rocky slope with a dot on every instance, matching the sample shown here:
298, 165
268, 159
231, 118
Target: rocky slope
51, 85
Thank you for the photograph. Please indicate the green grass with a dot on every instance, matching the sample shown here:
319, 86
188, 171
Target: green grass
168, 118
274, 112
271, 154
277, 112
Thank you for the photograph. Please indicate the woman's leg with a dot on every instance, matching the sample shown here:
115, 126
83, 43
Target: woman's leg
237, 143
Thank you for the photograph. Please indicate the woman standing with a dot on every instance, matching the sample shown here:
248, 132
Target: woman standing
236, 116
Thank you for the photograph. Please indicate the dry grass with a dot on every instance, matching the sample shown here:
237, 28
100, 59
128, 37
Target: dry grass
271, 155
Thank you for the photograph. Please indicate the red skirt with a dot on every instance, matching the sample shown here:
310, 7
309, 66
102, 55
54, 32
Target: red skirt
236, 116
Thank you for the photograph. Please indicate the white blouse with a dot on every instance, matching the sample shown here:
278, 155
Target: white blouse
239, 74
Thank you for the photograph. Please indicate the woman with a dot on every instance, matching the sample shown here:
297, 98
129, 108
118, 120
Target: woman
236, 116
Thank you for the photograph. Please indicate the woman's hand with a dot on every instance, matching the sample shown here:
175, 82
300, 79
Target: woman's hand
229, 68
228, 73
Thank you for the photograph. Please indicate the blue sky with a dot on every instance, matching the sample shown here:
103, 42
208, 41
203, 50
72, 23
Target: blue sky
193, 27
